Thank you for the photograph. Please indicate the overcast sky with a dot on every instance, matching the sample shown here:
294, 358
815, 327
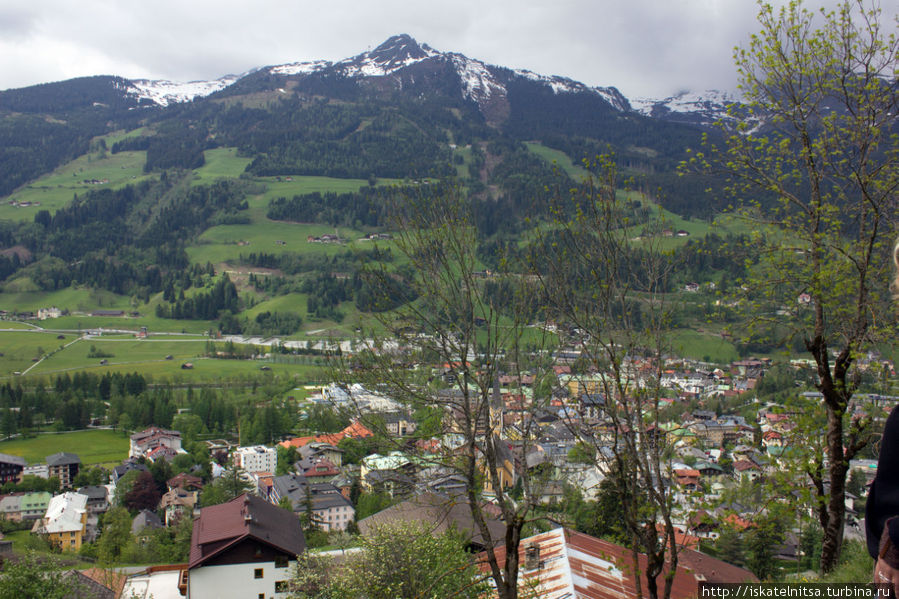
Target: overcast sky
642, 47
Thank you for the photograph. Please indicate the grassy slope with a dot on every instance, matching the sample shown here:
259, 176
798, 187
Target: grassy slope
93, 447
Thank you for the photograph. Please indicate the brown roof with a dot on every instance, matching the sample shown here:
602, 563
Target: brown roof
440, 512
577, 566
247, 516
184, 480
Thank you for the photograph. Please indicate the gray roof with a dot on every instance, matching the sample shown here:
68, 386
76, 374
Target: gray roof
293, 486
95, 492
439, 513
62, 459
145, 519
12, 459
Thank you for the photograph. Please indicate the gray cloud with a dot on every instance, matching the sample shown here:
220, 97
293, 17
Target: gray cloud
644, 47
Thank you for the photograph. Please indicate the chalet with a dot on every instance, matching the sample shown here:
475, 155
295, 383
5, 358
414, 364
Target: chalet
243, 548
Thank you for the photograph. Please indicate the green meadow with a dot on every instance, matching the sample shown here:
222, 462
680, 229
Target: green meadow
225, 243
56, 189
105, 447
701, 345
20, 348
560, 159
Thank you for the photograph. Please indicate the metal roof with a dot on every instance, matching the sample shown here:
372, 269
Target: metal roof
564, 564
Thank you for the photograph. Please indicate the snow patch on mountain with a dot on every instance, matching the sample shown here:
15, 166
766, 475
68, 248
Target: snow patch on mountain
562, 85
478, 83
707, 106
300, 68
163, 92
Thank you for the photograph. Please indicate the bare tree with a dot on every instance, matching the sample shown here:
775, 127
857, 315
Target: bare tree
446, 331
605, 275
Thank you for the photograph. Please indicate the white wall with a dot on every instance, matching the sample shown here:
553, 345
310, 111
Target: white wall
237, 580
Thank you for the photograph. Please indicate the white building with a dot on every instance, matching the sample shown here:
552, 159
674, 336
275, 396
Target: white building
256, 459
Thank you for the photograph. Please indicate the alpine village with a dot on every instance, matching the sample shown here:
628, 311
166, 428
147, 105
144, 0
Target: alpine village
413, 325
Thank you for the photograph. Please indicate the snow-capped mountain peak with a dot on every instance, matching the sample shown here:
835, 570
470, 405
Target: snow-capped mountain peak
394, 54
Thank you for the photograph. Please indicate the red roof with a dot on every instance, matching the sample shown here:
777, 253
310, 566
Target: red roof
353, 431
223, 526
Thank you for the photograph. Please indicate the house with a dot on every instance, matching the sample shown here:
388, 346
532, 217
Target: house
152, 438
125, 467
746, 470
316, 449
34, 505
64, 466
11, 468
97, 498
145, 519
317, 469
177, 503
566, 564
688, 478
65, 522
45, 313
186, 481
257, 458
331, 510
11, 507
243, 548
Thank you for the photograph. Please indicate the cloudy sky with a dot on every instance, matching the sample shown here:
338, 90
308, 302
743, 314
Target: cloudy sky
643, 47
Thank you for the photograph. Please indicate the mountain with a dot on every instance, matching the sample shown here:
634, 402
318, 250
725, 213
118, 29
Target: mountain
480, 82
395, 111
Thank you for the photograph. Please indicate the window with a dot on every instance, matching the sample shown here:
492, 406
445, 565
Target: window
261, 595
257, 573
282, 586
280, 561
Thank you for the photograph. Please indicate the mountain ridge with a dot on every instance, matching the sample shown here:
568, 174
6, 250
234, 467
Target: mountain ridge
483, 83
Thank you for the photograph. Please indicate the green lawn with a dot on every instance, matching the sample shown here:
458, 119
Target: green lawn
703, 345
93, 446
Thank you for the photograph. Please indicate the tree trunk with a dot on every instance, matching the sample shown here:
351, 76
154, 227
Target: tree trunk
836, 506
